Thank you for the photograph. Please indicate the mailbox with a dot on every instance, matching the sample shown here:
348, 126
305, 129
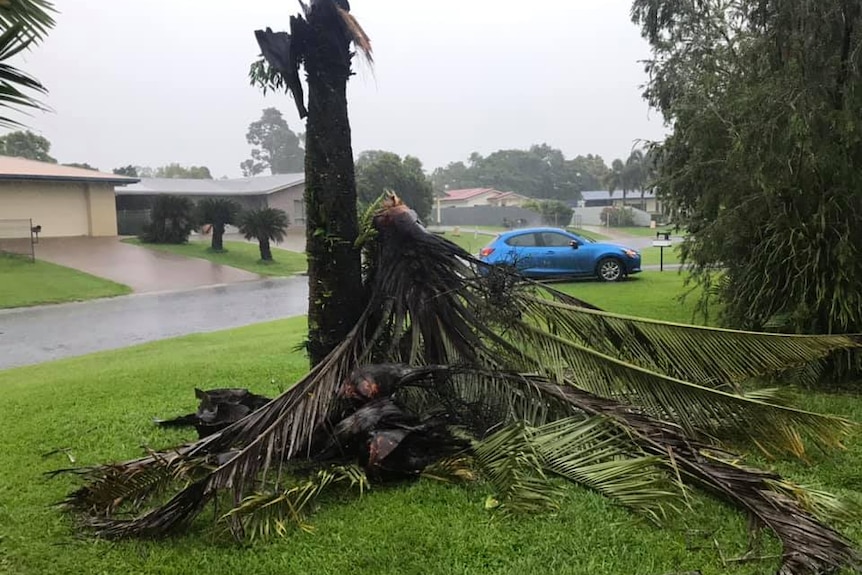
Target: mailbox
662, 241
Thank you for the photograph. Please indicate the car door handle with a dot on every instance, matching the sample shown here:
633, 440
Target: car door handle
551, 252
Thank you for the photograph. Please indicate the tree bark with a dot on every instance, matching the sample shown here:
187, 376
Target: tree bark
334, 272
265, 251
218, 237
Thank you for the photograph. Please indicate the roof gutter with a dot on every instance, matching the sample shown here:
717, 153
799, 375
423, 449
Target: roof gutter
39, 178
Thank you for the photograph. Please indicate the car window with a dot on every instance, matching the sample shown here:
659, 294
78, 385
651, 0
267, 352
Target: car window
553, 240
524, 240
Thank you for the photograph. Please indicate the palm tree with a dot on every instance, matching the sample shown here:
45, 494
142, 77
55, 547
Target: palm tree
634, 173
460, 370
320, 39
652, 167
265, 225
218, 212
24, 23
616, 180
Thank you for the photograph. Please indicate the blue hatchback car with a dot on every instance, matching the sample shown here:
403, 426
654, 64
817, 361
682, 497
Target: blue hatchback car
555, 253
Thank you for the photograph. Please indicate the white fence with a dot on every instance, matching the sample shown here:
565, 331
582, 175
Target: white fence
593, 216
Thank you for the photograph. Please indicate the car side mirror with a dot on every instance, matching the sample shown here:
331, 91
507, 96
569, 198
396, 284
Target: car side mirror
574, 244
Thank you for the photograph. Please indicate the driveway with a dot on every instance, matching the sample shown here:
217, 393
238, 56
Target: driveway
141, 269
43, 333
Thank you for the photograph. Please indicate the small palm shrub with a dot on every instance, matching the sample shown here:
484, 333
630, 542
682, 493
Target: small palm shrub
265, 225
218, 212
171, 221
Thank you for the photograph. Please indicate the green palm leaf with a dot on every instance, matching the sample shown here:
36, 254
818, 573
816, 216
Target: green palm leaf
702, 411
589, 451
23, 22
12, 80
596, 454
709, 356
510, 462
34, 15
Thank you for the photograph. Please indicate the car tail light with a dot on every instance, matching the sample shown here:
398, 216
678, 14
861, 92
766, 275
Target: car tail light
486, 252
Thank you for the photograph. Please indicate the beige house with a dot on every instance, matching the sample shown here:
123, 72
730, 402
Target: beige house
472, 197
282, 191
64, 201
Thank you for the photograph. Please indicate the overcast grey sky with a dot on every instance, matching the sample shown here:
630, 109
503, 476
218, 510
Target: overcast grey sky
161, 81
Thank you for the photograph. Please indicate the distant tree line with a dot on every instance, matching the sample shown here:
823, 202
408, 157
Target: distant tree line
540, 172
543, 173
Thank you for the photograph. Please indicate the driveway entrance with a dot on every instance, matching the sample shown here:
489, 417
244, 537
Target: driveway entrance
141, 269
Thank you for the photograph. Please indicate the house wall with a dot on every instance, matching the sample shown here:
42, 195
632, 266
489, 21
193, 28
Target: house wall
510, 202
291, 200
479, 200
649, 204
102, 210
61, 208
592, 216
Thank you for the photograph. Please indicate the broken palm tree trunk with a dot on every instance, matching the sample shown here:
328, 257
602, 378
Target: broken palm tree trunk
321, 40
454, 367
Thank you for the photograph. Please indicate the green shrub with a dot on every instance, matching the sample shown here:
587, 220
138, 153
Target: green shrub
171, 221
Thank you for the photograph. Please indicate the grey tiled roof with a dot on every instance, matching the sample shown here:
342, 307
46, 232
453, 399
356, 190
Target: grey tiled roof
256, 186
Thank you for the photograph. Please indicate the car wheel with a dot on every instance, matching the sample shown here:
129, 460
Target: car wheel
610, 270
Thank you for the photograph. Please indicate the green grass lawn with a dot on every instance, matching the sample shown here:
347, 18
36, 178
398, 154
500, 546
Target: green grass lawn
100, 408
240, 255
653, 294
650, 256
25, 283
642, 231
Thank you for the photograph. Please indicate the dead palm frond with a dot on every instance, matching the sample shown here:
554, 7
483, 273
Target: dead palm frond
543, 387
357, 35
262, 514
282, 53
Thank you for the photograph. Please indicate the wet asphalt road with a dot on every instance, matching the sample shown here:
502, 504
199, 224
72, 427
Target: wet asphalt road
43, 333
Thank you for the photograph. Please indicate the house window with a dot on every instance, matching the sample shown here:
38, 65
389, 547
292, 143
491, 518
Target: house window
299, 210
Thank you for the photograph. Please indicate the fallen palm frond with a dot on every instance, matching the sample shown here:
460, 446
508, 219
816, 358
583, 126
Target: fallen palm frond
588, 451
263, 514
453, 362
708, 356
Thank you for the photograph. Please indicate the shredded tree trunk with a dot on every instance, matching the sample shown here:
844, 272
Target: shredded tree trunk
334, 274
